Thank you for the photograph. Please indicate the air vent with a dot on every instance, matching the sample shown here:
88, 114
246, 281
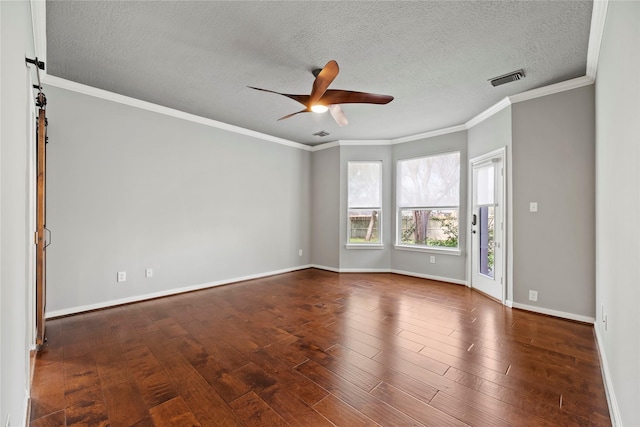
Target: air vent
321, 133
506, 78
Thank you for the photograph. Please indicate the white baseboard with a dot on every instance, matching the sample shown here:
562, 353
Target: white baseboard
614, 410
390, 270
137, 298
324, 267
430, 277
365, 270
550, 312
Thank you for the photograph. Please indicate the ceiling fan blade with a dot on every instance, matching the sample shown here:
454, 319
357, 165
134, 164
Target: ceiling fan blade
338, 115
293, 114
302, 99
336, 96
322, 81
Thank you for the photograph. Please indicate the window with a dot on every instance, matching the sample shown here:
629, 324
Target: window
364, 203
428, 201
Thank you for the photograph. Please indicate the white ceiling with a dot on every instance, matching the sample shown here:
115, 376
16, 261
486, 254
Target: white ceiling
434, 57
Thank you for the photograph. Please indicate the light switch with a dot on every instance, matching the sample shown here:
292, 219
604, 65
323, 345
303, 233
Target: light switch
533, 207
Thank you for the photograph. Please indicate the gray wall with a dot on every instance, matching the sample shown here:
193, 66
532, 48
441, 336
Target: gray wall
325, 208
491, 134
618, 205
553, 163
15, 230
487, 136
446, 266
369, 259
130, 189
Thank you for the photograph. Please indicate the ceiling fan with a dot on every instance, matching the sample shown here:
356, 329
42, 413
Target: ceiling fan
322, 98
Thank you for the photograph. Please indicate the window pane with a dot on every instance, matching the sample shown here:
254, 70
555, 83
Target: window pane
487, 239
364, 226
486, 189
429, 181
364, 180
429, 227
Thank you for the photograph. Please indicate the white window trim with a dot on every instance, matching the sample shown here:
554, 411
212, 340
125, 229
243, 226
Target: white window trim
432, 249
398, 227
378, 246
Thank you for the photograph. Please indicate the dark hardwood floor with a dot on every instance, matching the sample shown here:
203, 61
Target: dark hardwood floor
315, 348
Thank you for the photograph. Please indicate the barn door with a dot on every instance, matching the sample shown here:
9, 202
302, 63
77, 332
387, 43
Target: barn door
42, 234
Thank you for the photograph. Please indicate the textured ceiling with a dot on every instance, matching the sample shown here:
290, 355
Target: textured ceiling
434, 57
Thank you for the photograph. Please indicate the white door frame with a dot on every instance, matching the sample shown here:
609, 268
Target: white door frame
500, 153
32, 172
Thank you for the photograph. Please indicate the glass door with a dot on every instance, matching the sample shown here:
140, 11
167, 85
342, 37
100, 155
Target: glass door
486, 228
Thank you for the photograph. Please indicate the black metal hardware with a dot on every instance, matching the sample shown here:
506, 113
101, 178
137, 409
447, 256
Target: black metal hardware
35, 62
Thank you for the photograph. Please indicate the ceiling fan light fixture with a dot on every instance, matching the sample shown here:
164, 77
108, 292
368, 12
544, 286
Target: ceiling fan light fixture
319, 108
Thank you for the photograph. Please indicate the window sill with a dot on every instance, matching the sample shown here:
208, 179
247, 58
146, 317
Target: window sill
377, 246
435, 250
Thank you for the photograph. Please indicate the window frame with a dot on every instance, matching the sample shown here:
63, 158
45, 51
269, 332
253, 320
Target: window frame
365, 245
399, 245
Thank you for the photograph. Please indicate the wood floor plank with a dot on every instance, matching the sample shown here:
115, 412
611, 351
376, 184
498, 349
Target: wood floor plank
355, 396
48, 390
253, 411
81, 381
407, 383
159, 344
149, 376
111, 364
421, 411
207, 405
314, 347
291, 408
228, 357
288, 378
173, 412
466, 413
124, 404
227, 386
94, 414
55, 419
340, 413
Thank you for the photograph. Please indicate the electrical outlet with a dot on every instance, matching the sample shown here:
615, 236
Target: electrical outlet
299, 252
148, 272
432, 259
122, 276
533, 295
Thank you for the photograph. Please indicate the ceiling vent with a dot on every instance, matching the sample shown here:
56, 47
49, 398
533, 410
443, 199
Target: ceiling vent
321, 134
506, 78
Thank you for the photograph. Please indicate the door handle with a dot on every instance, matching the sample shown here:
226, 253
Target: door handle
474, 219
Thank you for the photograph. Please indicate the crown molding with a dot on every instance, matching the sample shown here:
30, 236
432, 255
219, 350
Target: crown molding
551, 89
495, 108
144, 105
364, 142
429, 134
598, 18
325, 146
